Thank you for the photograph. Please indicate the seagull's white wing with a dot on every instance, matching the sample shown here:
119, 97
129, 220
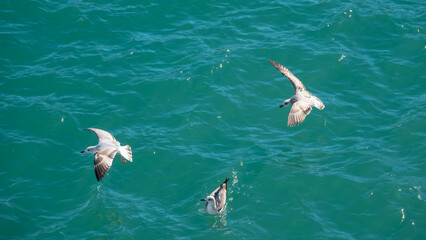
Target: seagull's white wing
103, 161
220, 195
297, 84
298, 112
101, 134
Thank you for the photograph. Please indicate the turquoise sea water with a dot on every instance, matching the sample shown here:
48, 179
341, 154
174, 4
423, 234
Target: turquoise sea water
188, 85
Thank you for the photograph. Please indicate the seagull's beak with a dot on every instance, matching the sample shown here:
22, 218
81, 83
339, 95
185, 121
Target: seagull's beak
203, 199
281, 106
83, 151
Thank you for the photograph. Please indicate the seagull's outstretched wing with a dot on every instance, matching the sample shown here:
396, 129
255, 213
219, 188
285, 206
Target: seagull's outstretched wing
297, 84
103, 161
220, 195
101, 134
298, 112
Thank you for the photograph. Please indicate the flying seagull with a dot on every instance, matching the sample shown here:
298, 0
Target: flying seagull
217, 199
302, 100
105, 151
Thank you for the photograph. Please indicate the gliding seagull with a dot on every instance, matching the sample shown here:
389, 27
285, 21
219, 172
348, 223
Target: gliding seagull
302, 100
105, 152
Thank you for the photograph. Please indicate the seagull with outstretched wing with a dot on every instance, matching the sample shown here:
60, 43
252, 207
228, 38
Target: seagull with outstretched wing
105, 152
302, 100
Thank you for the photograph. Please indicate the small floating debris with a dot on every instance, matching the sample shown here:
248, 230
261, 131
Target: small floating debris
403, 215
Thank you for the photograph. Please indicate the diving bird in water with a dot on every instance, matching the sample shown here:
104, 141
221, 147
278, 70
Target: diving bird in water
105, 152
217, 199
302, 100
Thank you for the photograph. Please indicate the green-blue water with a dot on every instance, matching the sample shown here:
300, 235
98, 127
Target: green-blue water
188, 85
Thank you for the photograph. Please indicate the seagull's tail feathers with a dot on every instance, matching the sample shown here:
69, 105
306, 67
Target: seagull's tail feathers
226, 182
318, 104
126, 152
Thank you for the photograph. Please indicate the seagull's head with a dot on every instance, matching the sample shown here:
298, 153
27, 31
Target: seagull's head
286, 102
89, 150
208, 199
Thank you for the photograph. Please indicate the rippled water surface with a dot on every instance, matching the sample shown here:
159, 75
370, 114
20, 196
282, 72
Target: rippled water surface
188, 85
